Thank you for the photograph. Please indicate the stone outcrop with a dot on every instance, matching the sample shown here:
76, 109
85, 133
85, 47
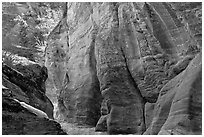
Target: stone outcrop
35, 73
110, 59
178, 109
17, 120
26, 108
30, 89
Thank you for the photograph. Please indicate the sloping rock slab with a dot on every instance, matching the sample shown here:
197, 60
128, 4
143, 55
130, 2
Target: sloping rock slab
29, 89
17, 120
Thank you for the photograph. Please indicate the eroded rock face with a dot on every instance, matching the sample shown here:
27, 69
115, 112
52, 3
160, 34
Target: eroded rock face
175, 44
35, 73
191, 16
116, 57
101, 126
82, 93
125, 103
149, 109
179, 107
26, 88
17, 120
26, 110
79, 97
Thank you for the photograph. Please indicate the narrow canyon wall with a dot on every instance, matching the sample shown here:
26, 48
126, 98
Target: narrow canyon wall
107, 60
123, 98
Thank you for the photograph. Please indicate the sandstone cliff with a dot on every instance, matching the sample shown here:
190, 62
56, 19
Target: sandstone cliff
107, 60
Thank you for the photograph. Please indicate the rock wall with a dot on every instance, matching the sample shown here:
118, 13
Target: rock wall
178, 109
191, 15
25, 79
109, 59
117, 86
26, 110
17, 120
82, 92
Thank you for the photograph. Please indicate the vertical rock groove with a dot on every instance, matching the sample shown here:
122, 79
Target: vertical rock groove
160, 30
124, 101
119, 57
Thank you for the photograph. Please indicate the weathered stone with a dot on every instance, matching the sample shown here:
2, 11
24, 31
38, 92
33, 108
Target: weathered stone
35, 73
126, 120
17, 120
149, 110
32, 90
24, 100
159, 28
178, 109
78, 98
101, 126
191, 15
179, 66
16, 91
56, 53
123, 52
116, 83
174, 58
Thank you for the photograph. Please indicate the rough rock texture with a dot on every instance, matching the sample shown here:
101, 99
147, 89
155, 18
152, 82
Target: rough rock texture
102, 124
83, 88
32, 91
17, 120
191, 15
178, 109
175, 43
55, 61
160, 26
35, 73
116, 57
149, 109
116, 83
27, 85
55, 58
